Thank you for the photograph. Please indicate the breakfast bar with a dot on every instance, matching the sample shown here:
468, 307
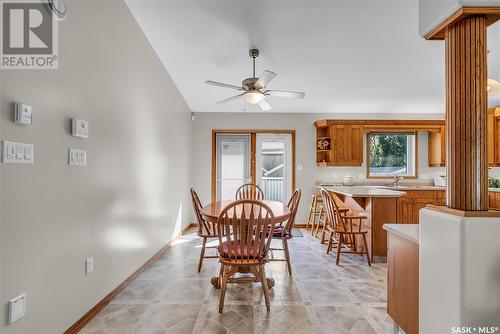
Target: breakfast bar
378, 205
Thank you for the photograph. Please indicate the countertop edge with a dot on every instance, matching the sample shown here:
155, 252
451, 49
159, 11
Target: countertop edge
409, 232
389, 194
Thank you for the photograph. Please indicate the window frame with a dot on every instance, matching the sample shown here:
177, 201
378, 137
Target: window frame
390, 132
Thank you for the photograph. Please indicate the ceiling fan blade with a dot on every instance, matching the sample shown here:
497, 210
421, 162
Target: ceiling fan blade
230, 98
220, 84
264, 79
285, 93
264, 105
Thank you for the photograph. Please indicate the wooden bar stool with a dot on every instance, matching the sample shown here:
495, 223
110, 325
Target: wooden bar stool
314, 211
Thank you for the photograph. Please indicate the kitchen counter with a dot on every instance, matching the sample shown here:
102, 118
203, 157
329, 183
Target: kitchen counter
494, 190
409, 232
364, 191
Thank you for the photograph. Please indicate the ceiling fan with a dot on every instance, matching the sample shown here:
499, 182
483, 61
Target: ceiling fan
254, 90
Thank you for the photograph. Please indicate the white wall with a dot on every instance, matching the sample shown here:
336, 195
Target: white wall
131, 198
305, 148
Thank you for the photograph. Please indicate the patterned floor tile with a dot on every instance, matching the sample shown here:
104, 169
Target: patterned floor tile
171, 296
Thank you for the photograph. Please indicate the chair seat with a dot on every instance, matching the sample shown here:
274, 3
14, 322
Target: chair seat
238, 251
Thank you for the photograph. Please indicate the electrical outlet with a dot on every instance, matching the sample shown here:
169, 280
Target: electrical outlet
17, 308
89, 265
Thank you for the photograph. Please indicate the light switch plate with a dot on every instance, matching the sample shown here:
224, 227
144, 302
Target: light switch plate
79, 128
23, 113
17, 308
77, 157
17, 153
89, 265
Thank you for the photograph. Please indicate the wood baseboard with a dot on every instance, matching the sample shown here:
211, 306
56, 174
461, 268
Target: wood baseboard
85, 319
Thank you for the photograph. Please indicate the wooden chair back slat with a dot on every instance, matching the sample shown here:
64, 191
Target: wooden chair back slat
334, 218
245, 230
293, 206
249, 191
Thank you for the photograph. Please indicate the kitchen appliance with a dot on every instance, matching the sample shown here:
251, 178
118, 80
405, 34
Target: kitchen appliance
440, 180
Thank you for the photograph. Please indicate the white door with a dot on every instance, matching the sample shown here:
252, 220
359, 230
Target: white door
233, 164
273, 165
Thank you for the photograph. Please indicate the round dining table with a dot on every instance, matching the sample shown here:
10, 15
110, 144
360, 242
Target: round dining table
211, 213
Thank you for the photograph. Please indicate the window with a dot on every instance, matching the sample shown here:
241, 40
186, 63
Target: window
391, 154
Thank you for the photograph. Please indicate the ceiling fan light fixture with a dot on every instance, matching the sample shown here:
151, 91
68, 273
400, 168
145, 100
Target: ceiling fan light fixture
253, 97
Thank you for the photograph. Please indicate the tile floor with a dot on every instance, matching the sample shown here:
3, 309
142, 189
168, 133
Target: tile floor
172, 297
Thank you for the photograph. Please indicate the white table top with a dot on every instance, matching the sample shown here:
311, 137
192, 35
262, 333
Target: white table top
409, 232
364, 191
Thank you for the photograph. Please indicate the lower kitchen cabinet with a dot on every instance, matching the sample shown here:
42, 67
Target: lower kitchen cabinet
408, 207
494, 200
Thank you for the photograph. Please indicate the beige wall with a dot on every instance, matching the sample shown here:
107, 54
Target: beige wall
305, 148
130, 199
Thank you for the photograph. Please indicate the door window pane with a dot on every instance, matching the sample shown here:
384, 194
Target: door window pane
233, 164
272, 170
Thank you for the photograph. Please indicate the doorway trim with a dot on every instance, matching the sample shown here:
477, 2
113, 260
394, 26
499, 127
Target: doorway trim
253, 135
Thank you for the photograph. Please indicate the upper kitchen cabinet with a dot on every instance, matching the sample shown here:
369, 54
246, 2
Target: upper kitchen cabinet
339, 144
493, 137
437, 147
437, 142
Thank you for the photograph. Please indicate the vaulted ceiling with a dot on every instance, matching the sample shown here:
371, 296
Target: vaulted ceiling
348, 56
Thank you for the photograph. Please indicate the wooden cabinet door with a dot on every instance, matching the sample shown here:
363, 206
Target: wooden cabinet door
437, 148
347, 145
405, 210
494, 200
356, 145
491, 137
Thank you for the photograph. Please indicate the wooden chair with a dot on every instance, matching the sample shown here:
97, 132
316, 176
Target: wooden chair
250, 191
205, 229
245, 230
322, 219
342, 229
284, 232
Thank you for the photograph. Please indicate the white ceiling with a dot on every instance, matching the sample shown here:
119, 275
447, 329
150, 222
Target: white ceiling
348, 56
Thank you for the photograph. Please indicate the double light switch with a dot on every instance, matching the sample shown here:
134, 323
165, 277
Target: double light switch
77, 157
17, 153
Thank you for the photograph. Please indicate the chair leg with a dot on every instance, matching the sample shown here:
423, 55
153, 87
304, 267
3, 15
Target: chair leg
313, 223
330, 243
323, 232
223, 287
320, 219
339, 247
309, 218
202, 253
265, 289
287, 255
365, 244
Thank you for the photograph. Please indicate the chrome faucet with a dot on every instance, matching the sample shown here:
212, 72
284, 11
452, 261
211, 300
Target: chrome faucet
396, 180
